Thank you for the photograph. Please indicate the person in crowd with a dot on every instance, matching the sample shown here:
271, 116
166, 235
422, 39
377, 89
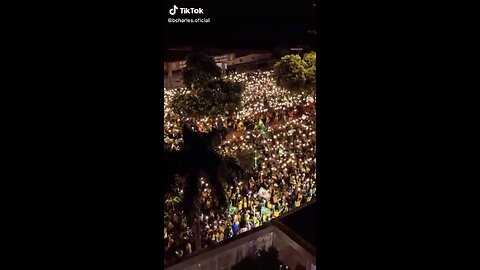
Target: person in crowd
285, 163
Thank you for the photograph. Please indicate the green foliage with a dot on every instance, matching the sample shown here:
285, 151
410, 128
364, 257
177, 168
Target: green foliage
310, 59
290, 72
216, 97
209, 94
199, 70
297, 74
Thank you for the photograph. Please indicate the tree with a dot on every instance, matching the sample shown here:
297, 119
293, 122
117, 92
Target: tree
310, 60
198, 158
296, 74
209, 94
290, 72
213, 98
199, 70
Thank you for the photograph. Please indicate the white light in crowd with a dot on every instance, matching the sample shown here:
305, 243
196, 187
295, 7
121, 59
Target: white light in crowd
256, 89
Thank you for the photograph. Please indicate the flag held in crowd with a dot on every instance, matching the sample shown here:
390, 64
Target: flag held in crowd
265, 211
231, 210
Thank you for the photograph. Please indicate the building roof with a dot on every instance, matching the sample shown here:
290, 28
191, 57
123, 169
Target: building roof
180, 54
240, 53
299, 225
302, 223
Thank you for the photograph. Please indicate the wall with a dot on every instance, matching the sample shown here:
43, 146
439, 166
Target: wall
174, 66
250, 58
291, 253
225, 256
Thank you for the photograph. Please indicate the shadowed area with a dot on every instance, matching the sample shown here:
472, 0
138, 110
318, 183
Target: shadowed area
303, 223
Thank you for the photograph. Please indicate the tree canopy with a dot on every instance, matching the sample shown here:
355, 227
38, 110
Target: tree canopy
209, 94
199, 70
216, 97
295, 73
310, 60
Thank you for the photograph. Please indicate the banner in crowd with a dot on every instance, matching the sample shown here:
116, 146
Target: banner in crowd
264, 193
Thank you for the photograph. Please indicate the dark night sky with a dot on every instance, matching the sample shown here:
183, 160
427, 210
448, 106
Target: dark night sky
244, 23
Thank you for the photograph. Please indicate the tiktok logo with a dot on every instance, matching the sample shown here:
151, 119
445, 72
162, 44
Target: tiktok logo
173, 11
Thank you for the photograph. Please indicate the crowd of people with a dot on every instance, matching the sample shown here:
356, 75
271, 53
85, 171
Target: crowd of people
278, 127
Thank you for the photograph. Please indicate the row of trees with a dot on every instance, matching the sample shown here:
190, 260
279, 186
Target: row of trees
211, 95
